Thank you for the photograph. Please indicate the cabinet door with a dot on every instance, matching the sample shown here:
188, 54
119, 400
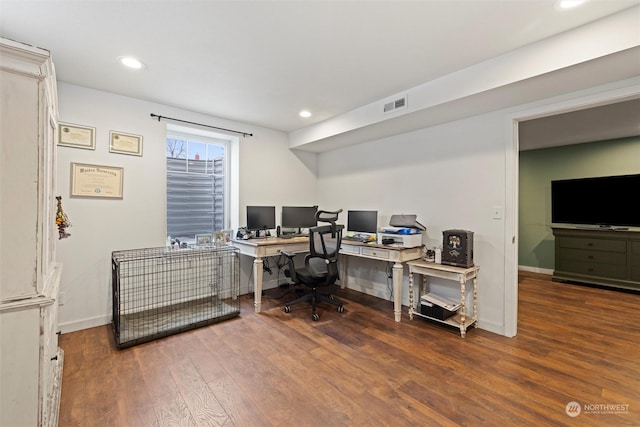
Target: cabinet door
635, 260
20, 162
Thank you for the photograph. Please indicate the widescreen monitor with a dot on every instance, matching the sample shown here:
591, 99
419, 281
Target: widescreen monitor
362, 221
261, 218
299, 217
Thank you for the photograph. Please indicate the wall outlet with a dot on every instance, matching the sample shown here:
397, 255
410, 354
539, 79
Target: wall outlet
61, 298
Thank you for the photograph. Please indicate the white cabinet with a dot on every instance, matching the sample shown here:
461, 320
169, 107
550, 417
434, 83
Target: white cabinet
30, 360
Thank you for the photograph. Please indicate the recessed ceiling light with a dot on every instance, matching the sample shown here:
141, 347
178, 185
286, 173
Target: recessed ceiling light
131, 62
568, 4
305, 113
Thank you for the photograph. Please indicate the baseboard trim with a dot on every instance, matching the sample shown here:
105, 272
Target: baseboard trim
84, 324
548, 271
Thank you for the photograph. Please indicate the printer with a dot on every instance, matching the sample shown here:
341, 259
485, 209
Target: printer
404, 231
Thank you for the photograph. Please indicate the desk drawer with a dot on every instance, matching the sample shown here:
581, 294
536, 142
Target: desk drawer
349, 249
274, 250
376, 253
271, 251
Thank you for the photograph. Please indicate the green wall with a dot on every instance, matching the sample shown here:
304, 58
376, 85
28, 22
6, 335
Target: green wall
539, 167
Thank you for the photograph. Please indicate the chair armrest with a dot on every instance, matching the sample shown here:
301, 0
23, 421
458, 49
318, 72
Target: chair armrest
289, 255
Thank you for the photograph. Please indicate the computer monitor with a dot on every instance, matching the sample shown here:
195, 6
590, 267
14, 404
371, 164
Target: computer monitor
261, 218
299, 217
362, 221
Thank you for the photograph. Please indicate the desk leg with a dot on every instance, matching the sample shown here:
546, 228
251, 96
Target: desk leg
463, 307
410, 296
343, 271
475, 300
397, 290
257, 284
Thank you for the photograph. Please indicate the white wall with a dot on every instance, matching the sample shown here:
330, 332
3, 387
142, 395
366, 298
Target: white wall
270, 173
450, 175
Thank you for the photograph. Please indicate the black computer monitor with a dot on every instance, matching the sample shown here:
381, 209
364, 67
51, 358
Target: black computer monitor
362, 221
261, 218
299, 217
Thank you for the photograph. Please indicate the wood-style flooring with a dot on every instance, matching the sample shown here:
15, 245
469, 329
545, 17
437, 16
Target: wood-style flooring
360, 368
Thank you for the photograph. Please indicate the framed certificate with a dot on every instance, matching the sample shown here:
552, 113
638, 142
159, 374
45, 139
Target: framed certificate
95, 181
125, 143
76, 136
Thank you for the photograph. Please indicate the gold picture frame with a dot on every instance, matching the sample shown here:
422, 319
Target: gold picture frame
96, 181
218, 238
76, 136
125, 143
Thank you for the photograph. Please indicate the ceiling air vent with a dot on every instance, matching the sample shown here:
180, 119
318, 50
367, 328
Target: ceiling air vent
395, 105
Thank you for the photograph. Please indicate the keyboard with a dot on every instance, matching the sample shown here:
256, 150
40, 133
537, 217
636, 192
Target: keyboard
361, 239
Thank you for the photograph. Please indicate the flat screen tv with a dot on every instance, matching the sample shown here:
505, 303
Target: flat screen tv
607, 201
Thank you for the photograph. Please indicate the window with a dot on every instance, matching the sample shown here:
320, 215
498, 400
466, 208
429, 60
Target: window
197, 184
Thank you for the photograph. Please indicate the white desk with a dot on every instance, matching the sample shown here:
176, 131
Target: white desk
264, 247
459, 274
273, 246
397, 255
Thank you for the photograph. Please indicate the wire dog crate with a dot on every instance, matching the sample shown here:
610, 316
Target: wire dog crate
163, 291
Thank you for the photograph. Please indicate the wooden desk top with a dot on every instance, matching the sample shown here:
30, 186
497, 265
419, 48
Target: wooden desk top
266, 241
375, 245
420, 263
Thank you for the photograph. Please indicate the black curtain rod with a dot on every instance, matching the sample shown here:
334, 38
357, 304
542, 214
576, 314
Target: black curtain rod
245, 134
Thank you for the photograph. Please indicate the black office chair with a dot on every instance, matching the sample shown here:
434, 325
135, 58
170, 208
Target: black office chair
320, 265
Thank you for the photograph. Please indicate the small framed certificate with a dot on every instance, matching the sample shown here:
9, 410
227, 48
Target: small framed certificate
104, 182
125, 143
76, 136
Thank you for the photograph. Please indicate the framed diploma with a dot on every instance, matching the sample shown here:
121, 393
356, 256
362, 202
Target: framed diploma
104, 182
76, 136
125, 143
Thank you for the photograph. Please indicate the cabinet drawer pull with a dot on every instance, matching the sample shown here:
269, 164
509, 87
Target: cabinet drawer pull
590, 257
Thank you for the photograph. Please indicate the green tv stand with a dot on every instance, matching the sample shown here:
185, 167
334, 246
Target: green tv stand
598, 256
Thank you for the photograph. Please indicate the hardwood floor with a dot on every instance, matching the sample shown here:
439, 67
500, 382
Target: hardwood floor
360, 368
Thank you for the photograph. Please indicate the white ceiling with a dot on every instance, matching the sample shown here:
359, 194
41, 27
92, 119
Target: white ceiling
261, 62
611, 121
